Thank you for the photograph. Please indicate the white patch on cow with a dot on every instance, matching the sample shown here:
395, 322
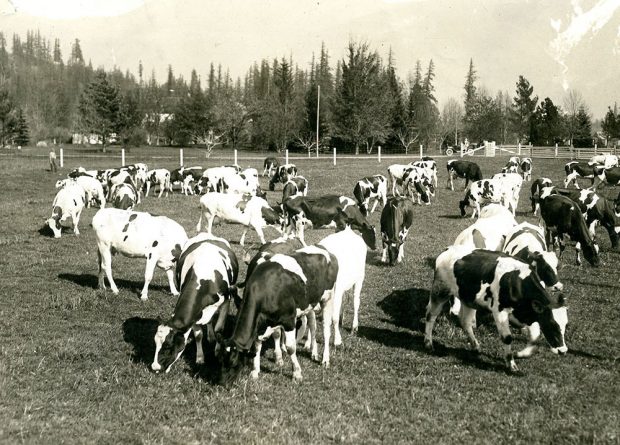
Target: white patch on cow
289, 264
346, 202
331, 225
186, 335
480, 296
583, 195
160, 337
314, 250
560, 315
209, 311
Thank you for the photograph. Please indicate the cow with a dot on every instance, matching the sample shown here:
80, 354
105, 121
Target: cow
608, 176
191, 177
479, 193
279, 290
463, 169
207, 270
282, 174
396, 173
509, 188
535, 190
418, 183
67, 208
326, 211
561, 216
161, 177
124, 196
250, 175
117, 177
512, 166
247, 210
483, 279
576, 169
526, 169
429, 165
297, 186
606, 160
92, 187
137, 235
270, 163
81, 171
212, 180
238, 184
396, 220
370, 187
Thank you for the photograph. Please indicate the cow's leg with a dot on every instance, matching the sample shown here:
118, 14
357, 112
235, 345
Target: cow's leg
219, 325
401, 253
173, 289
467, 316
242, 240
261, 236
577, 252
302, 329
256, 361
384, 253
277, 336
106, 264
291, 349
101, 279
210, 219
151, 262
314, 352
476, 211
148, 188
533, 333
374, 206
299, 228
455, 309
162, 187
503, 327
357, 293
200, 355
327, 316
436, 301
337, 297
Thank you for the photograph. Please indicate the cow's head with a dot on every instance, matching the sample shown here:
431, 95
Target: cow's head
54, 221
232, 360
169, 345
392, 246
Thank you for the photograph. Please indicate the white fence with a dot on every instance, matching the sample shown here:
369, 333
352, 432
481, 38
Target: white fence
537, 152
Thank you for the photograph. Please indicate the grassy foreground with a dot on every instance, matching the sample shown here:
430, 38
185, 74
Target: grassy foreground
74, 360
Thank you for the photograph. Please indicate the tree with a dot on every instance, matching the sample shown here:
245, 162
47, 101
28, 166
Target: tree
22, 136
523, 109
100, 108
450, 122
76, 54
547, 124
611, 124
57, 57
573, 102
8, 119
583, 129
470, 88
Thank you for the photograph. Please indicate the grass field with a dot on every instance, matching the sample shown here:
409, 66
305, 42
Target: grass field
74, 359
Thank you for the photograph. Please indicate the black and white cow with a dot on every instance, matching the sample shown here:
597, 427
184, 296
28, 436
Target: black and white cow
326, 211
247, 210
207, 269
270, 164
396, 220
606, 160
282, 174
67, 208
211, 179
280, 290
116, 177
370, 187
576, 169
137, 235
479, 193
536, 190
512, 166
509, 185
124, 196
562, 216
239, 184
505, 285
463, 169
608, 176
526, 169
161, 177
297, 186
92, 187
418, 183
430, 165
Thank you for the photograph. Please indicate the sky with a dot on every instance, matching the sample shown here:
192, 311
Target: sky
556, 44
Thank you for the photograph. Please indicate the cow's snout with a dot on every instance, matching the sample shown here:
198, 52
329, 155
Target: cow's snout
155, 367
557, 286
562, 350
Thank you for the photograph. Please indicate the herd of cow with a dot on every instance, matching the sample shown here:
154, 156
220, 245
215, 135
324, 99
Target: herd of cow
496, 264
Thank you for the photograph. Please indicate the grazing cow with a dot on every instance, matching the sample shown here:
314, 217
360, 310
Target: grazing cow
281, 289
536, 190
283, 245
247, 210
326, 211
297, 186
561, 216
124, 196
370, 187
270, 164
463, 169
488, 232
418, 183
576, 169
207, 269
81, 171
396, 173
239, 184
396, 220
250, 175
429, 165
92, 187
605, 160
509, 188
512, 166
282, 174
497, 282
210, 180
67, 208
191, 177
161, 177
137, 235
609, 176
478, 194
117, 177
526, 169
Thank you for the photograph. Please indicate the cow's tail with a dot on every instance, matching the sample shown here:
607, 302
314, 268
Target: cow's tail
359, 196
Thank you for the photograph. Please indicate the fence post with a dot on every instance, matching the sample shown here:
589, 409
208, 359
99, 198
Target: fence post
462, 148
421, 150
122, 156
519, 149
556, 150
379, 154
286, 156
334, 155
62, 158
531, 147
181, 157
595, 148
236, 157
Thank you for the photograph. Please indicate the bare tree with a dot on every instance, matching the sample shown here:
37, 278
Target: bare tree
573, 101
407, 136
451, 120
306, 140
212, 140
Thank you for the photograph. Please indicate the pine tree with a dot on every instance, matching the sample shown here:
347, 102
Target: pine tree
470, 88
583, 134
57, 57
611, 124
76, 54
100, 108
523, 109
22, 136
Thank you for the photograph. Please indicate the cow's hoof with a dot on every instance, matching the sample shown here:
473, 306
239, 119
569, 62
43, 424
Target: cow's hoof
354, 330
144, 297
315, 356
279, 362
254, 375
200, 361
514, 367
428, 344
175, 294
325, 364
297, 378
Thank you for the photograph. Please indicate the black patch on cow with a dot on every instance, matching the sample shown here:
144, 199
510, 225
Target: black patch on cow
133, 216
473, 270
155, 243
125, 238
126, 227
150, 255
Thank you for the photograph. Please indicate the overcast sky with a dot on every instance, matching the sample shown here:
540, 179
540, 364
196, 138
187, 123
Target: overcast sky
555, 44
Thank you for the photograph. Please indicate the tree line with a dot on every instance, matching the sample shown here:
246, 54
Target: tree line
360, 102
